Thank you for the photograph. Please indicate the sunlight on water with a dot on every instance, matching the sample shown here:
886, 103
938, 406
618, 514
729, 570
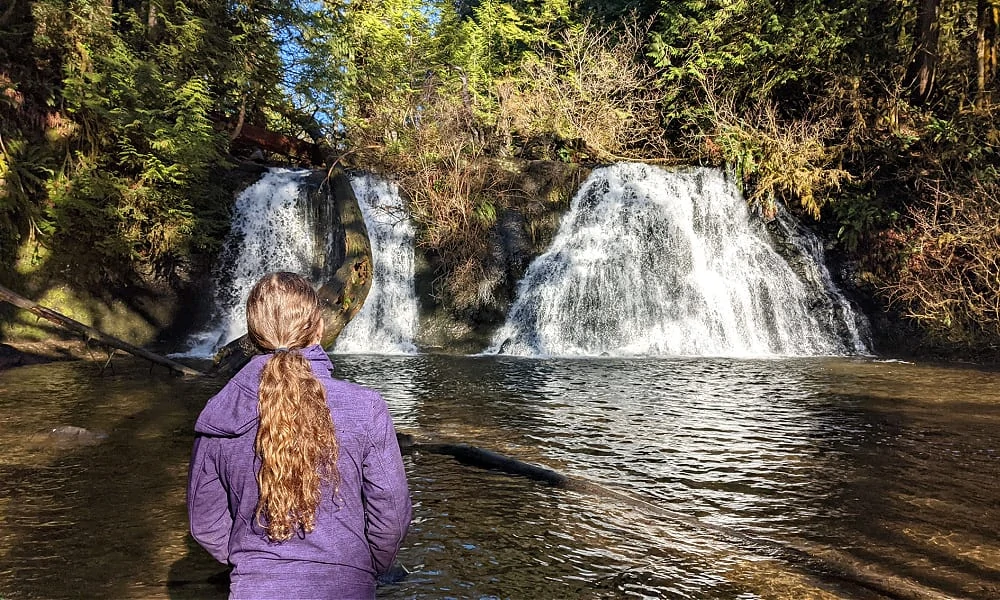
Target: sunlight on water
714, 479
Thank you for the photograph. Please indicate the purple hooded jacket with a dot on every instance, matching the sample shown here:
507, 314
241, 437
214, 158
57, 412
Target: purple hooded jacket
357, 535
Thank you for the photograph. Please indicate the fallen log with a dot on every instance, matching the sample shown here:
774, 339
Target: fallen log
824, 564
91, 334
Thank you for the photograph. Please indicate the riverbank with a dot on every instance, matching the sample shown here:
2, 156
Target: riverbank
19, 354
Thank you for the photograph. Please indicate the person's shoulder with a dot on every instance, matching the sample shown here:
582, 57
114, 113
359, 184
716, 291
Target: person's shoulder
246, 381
354, 407
248, 377
233, 409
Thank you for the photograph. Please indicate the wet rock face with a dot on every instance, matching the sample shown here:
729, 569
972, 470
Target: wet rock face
805, 253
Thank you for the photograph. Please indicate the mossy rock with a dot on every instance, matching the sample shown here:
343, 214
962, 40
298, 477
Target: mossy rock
114, 318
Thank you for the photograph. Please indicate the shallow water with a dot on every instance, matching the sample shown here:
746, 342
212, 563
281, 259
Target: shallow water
720, 478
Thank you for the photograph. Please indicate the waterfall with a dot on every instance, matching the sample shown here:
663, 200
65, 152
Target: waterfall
387, 321
274, 228
281, 224
829, 305
649, 262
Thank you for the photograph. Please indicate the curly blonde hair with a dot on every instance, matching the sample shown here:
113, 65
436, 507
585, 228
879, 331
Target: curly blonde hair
295, 441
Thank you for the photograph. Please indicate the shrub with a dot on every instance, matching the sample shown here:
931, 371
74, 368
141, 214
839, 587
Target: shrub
589, 89
946, 273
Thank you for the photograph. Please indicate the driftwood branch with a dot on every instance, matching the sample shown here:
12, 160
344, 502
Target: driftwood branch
89, 333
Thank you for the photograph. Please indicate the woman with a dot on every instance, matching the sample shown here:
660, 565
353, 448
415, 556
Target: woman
296, 478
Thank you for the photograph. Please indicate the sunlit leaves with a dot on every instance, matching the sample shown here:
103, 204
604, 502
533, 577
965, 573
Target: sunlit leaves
137, 92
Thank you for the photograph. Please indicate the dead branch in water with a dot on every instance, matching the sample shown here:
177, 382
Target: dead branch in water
89, 333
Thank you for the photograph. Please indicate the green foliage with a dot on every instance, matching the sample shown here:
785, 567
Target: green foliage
859, 215
113, 117
589, 89
759, 45
116, 134
148, 143
24, 170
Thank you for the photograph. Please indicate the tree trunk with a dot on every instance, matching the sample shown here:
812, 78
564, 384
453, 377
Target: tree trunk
922, 71
987, 32
271, 141
89, 333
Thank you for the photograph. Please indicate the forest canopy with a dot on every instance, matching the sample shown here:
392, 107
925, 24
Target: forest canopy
120, 122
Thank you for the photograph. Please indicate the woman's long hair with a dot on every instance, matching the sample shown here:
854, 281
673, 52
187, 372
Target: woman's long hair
295, 441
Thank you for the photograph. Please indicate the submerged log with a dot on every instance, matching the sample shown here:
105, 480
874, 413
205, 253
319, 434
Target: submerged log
824, 563
91, 334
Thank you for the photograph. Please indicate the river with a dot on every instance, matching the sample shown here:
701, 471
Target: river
741, 479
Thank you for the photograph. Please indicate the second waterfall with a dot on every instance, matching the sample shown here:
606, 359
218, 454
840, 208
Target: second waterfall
649, 262
276, 227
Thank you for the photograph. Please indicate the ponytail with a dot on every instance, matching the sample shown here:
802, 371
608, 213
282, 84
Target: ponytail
295, 440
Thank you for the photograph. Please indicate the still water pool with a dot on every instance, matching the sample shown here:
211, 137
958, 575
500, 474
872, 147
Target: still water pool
714, 479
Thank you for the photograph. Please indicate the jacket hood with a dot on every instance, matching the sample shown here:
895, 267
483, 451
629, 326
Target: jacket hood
233, 411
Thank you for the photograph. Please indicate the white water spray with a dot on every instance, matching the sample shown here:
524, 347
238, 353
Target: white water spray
652, 262
387, 321
272, 230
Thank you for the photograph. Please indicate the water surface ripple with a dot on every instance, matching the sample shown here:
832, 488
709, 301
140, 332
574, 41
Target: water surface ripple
730, 479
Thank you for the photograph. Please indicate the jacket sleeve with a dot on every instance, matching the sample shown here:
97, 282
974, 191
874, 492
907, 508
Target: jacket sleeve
207, 501
386, 495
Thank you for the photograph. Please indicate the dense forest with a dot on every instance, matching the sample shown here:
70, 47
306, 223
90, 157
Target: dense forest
121, 120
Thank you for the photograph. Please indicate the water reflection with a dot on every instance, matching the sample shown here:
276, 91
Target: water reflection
815, 467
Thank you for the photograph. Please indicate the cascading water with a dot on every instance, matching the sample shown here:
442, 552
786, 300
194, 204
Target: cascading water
828, 303
274, 228
387, 322
655, 262
281, 224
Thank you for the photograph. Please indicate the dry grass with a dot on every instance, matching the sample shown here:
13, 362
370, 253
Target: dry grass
453, 194
777, 159
949, 278
594, 92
